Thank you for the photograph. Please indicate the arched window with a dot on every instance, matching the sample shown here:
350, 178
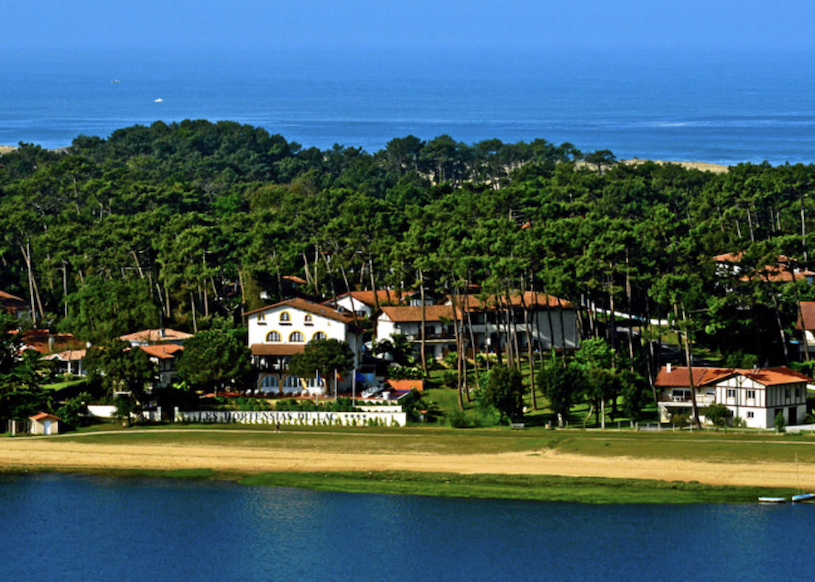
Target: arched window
319, 336
308, 320
269, 383
273, 336
261, 319
291, 385
297, 337
285, 318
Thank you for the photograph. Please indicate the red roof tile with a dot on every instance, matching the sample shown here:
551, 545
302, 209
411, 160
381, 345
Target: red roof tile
385, 297
276, 349
163, 351
310, 307
44, 416
413, 313
678, 376
156, 335
808, 314
529, 299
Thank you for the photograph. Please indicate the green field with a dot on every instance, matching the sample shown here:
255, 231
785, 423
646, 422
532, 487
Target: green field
669, 445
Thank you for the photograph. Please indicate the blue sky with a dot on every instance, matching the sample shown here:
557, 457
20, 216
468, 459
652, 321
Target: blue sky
408, 24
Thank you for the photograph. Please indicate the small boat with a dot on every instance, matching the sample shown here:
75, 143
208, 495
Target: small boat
159, 100
803, 497
772, 499
116, 82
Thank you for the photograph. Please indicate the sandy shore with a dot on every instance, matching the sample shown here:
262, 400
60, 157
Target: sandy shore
78, 455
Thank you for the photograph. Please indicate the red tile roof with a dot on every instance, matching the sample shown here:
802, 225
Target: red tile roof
309, 306
413, 313
156, 335
67, 356
406, 385
162, 351
44, 416
11, 303
45, 342
385, 297
678, 376
808, 314
529, 299
276, 349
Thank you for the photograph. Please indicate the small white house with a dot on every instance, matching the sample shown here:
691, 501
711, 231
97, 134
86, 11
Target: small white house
44, 424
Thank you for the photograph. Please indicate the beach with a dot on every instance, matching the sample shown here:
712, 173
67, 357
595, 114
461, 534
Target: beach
85, 455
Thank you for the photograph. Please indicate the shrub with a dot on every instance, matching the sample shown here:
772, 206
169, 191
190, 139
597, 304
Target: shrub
780, 423
679, 420
457, 419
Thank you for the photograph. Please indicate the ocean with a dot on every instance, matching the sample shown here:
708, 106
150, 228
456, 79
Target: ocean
674, 105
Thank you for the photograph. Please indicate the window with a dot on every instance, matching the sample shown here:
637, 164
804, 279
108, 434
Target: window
261, 319
680, 395
285, 318
319, 336
786, 393
750, 414
273, 336
308, 320
297, 337
731, 393
797, 393
291, 385
270, 383
751, 395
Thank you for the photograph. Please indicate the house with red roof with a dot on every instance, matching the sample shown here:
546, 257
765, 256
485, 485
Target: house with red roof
548, 322
545, 320
806, 325
755, 395
44, 424
784, 270
365, 303
149, 337
13, 305
440, 333
279, 331
68, 361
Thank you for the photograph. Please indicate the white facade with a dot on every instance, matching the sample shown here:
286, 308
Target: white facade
755, 396
279, 331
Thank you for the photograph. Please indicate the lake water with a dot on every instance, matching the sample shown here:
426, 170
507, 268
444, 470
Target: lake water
717, 107
79, 528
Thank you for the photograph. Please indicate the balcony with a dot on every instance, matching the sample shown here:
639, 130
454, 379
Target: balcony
701, 399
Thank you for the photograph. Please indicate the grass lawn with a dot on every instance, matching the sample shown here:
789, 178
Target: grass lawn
668, 445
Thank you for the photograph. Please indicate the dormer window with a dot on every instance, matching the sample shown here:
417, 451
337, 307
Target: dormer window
309, 320
297, 337
273, 336
285, 318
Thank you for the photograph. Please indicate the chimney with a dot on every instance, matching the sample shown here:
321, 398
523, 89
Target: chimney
669, 367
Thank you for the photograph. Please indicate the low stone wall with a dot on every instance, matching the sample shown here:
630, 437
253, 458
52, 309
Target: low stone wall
273, 417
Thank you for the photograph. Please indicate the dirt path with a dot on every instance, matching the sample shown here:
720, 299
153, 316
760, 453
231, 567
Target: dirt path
66, 454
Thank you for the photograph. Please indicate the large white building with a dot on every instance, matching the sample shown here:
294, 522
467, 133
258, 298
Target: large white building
544, 320
756, 396
279, 331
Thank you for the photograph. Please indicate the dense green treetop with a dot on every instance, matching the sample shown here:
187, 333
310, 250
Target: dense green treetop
185, 224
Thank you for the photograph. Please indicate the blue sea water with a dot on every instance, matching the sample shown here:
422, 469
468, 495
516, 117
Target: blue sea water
90, 528
675, 105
